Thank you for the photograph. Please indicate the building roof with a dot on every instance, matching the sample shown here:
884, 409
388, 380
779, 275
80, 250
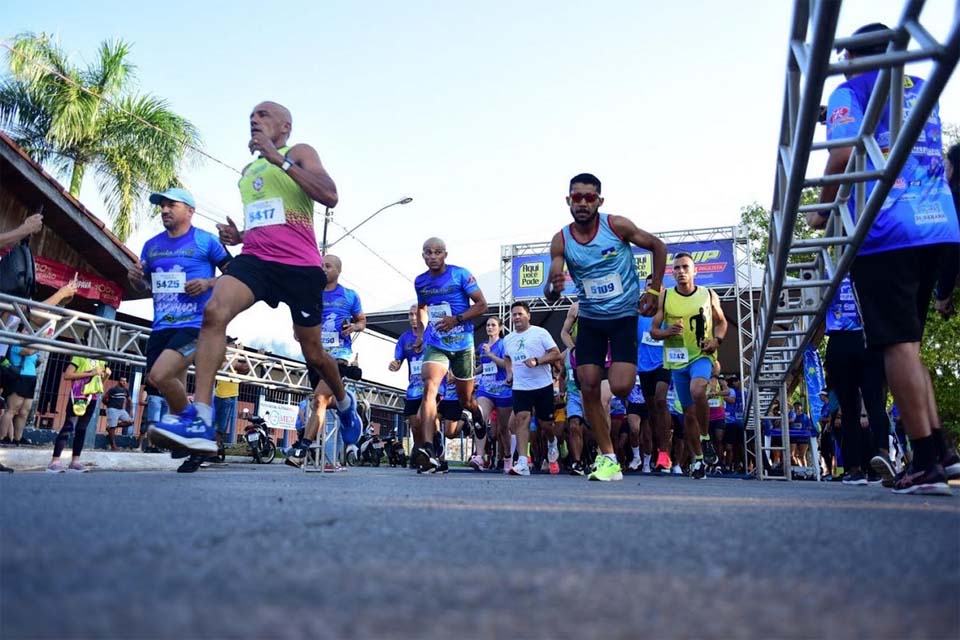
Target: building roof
85, 232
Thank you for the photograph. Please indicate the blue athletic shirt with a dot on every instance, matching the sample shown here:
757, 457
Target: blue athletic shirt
636, 394
196, 254
734, 410
26, 364
447, 295
649, 351
493, 379
919, 209
448, 391
603, 271
339, 306
673, 402
404, 351
843, 315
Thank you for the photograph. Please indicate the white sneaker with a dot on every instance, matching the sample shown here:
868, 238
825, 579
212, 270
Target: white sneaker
520, 468
476, 462
676, 471
646, 468
634, 464
545, 466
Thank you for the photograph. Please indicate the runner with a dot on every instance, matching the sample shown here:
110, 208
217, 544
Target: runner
596, 249
654, 382
638, 419
410, 348
181, 264
676, 440
733, 430
445, 316
280, 262
530, 352
342, 318
494, 392
716, 414
695, 328
574, 414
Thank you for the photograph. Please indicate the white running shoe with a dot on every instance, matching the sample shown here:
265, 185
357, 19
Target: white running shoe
476, 461
676, 471
520, 468
646, 468
635, 464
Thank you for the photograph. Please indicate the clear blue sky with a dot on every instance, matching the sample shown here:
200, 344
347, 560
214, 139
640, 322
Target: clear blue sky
481, 113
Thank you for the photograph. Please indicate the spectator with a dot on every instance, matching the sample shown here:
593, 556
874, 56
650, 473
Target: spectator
800, 421
117, 400
86, 385
18, 393
29, 227
154, 408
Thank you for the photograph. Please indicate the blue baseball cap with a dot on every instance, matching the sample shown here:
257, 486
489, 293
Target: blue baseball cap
176, 194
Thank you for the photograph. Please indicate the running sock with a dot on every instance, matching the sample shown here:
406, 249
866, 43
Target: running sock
704, 438
924, 452
343, 405
940, 446
513, 444
479, 424
205, 411
699, 458
611, 456
646, 459
636, 454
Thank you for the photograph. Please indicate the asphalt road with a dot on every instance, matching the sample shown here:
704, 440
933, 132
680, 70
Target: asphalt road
260, 552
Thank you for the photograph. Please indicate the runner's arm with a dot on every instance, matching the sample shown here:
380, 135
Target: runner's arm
555, 280
656, 330
566, 332
308, 172
626, 229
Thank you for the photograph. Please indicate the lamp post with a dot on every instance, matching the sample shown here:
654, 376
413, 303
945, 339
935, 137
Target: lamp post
329, 215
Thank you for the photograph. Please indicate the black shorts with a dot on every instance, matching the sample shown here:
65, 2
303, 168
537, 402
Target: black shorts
650, 379
23, 386
539, 401
733, 433
183, 341
893, 290
313, 374
595, 337
449, 409
715, 425
300, 288
637, 409
411, 406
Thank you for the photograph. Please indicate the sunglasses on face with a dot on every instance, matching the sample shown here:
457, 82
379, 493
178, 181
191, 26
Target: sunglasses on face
584, 197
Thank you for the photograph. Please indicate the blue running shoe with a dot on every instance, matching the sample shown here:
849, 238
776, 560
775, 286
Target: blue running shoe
184, 430
350, 425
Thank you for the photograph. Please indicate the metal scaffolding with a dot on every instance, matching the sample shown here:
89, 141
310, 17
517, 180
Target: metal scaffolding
60, 330
795, 296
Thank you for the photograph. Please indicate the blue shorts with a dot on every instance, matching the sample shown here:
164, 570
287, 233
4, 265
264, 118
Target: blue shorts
700, 368
500, 403
156, 409
574, 406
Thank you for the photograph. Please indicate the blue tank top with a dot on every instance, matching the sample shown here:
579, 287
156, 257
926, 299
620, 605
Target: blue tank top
603, 271
404, 351
339, 306
842, 314
649, 351
919, 209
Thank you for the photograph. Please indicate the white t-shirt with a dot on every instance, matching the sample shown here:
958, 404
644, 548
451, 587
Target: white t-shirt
532, 343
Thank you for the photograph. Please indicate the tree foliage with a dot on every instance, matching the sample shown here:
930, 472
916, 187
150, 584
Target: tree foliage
60, 113
756, 219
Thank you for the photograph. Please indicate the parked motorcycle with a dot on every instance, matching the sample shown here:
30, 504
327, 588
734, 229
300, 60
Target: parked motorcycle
260, 444
369, 448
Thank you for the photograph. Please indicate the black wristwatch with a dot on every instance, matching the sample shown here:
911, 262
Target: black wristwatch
460, 318
719, 339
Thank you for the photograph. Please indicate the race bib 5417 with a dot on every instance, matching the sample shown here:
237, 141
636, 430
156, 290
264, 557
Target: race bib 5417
264, 213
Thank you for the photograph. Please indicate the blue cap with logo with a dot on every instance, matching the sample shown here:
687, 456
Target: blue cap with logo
176, 194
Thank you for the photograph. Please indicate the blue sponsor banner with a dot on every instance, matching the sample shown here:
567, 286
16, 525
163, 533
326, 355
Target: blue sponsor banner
814, 379
714, 260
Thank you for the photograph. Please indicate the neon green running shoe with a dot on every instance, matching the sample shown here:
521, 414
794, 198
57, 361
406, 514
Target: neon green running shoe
607, 470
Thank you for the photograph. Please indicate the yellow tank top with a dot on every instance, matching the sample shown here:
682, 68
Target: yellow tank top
694, 311
267, 193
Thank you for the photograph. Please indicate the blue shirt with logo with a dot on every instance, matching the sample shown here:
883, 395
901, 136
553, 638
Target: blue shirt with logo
603, 271
448, 391
919, 209
733, 410
340, 305
404, 351
493, 379
649, 351
843, 314
196, 254
447, 294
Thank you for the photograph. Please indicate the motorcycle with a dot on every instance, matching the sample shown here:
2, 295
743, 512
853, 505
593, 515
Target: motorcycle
259, 442
369, 448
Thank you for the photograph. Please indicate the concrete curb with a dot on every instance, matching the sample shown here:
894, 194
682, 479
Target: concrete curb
38, 459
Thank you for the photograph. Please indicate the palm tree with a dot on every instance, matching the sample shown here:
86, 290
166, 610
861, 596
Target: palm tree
62, 114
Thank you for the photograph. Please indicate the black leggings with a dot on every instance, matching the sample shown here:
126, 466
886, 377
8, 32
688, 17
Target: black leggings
78, 426
857, 372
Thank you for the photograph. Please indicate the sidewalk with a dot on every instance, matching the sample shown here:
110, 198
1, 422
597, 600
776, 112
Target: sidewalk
23, 459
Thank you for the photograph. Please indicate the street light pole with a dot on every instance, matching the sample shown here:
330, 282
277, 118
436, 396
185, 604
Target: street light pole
327, 214
406, 200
